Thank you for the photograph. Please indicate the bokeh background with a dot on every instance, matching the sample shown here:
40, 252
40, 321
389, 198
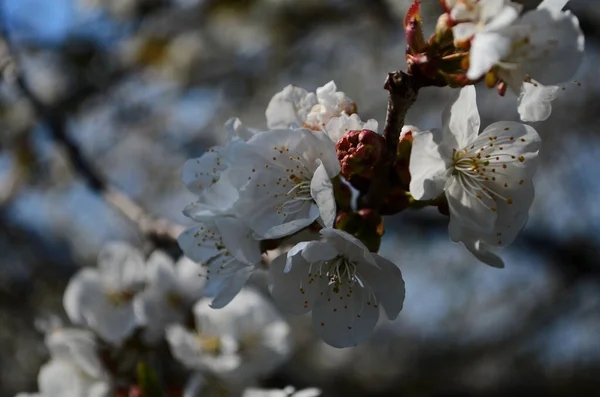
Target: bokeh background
142, 85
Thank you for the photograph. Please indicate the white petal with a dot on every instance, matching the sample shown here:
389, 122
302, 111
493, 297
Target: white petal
190, 282
204, 171
100, 389
487, 50
309, 145
184, 346
332, 103
345, 316
310, 392
121, 266
428, 165
481, 251
555, 48
464, 11
337, 127
467, 209
464, 31
276, 201
499, 14
86, 302
461, 118
289, 107
238, 240
160, 272
76, 345
321, 189
83, 285
348, 245
315, 251
535, 101
387, 285
216, 200
161, 303
231, 286
291, 227
235, 129
513, 140
296, 290
62, 378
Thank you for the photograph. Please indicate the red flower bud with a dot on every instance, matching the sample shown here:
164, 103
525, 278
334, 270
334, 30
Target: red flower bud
413, 29
359, 152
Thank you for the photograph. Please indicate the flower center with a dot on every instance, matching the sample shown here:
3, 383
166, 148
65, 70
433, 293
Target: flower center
338, 272
119, 298
210, 344
482, 169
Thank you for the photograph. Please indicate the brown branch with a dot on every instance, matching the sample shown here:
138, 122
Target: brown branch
160, 231
403, 90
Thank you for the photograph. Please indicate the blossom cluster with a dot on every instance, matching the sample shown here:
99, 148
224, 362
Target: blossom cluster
303, 200
129, 309
292, 188
529, 53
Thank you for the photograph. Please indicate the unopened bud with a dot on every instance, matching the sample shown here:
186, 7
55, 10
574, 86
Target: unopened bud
443, 27
413, 29
359, 151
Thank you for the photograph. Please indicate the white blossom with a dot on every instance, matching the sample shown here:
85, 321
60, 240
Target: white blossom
277, 183
331, 103
227, 253
341, 282
290, 107
487, 178
532, 54
78, 346
328, 110
204, 171
481, 16
288, 391
103, 298
74, 369
63, 378
238, 343
337, 127
170, 291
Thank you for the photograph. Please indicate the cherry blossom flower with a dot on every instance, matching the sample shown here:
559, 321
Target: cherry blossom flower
290, 107
239, 343
228, 255
74, 369
341, 282
170, 291
487, 178
103, 298
205, 171
481, 16
530, 54
277, 183
328, 110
